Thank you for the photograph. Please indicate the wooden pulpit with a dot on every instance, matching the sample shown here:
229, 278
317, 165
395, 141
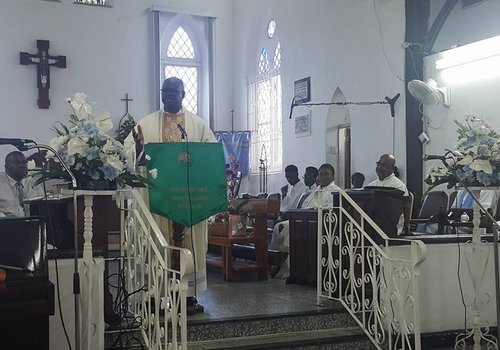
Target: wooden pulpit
27, 296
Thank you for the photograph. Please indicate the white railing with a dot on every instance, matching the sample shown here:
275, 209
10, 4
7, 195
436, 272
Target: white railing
157, 290
377, 286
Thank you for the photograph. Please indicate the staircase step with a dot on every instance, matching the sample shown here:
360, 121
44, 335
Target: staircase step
205, 330
337, 339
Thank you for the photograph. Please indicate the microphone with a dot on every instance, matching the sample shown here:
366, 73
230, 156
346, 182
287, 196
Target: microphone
292, 106
433, 157
20, 144
182, 130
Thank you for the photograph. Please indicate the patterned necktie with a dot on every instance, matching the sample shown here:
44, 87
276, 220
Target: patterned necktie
20, 193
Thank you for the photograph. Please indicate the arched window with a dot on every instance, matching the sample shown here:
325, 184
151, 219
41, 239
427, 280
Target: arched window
265, 112
184, 50
182, 62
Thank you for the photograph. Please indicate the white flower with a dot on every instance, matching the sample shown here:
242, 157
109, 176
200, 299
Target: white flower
115, 162
467, 160
81, 108
154, 173
103, 121
108, 147
77, 145
482, 165
55, 143
31, 164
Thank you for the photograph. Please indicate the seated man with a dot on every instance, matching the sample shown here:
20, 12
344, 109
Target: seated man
293, 190
386, 178
277, 238
16, 185
310, 177
357, 181
320, 197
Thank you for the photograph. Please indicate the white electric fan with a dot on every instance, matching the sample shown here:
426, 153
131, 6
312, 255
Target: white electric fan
428, 93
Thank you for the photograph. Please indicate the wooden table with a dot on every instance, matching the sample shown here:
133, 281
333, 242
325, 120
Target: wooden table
259, 209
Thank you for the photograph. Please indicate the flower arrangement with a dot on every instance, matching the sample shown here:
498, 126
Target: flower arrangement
476, 160
232, 170
94, 157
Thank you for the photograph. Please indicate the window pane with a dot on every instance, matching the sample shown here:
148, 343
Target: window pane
277, 57
189, 75
263, 62
180, 46
265, 123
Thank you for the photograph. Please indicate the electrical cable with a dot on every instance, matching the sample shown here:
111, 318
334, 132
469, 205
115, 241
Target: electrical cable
382, 43
188, 185
56, 265
413, 65
120, 307
460, 284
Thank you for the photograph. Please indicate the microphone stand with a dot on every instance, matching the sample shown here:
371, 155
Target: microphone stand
76, 276
495, 241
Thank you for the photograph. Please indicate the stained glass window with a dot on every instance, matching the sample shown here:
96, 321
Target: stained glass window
265, 112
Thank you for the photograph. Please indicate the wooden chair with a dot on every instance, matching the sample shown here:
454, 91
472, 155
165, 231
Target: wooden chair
451, 199
407, 210
302, 199
259, 208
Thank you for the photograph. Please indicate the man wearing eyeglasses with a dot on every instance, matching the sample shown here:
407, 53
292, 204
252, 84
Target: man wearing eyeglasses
385, 174
175, 124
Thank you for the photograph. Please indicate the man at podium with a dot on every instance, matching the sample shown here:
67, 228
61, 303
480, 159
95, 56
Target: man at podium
15, 185
175, 124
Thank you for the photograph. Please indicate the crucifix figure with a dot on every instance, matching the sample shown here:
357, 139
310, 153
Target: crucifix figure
43, 61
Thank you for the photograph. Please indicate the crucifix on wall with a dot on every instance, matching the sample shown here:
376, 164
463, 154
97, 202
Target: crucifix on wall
43, 62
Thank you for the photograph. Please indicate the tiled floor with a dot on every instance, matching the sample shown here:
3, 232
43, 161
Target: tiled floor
246, 297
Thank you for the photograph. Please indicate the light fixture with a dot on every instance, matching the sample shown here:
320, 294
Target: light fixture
469, 53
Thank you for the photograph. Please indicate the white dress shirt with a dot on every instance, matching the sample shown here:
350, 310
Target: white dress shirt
390, 181
321, 197
9, 195
292, 196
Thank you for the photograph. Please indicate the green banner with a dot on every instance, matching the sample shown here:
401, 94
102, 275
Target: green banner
189, 180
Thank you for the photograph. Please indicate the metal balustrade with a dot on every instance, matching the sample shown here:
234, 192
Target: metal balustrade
157, 290
378, 285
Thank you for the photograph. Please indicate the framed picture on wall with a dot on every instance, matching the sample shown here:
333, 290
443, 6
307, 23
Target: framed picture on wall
302, 90
303, 125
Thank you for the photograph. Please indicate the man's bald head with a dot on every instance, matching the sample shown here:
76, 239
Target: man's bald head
385, 166
172, 94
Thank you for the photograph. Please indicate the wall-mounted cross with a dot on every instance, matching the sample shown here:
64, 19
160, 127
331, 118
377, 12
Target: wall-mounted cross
43, 61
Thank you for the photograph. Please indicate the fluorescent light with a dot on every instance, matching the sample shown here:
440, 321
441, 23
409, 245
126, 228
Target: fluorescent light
469, 53
484, 69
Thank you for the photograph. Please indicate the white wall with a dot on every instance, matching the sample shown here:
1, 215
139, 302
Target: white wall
108, 53
337, 44
479, 97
